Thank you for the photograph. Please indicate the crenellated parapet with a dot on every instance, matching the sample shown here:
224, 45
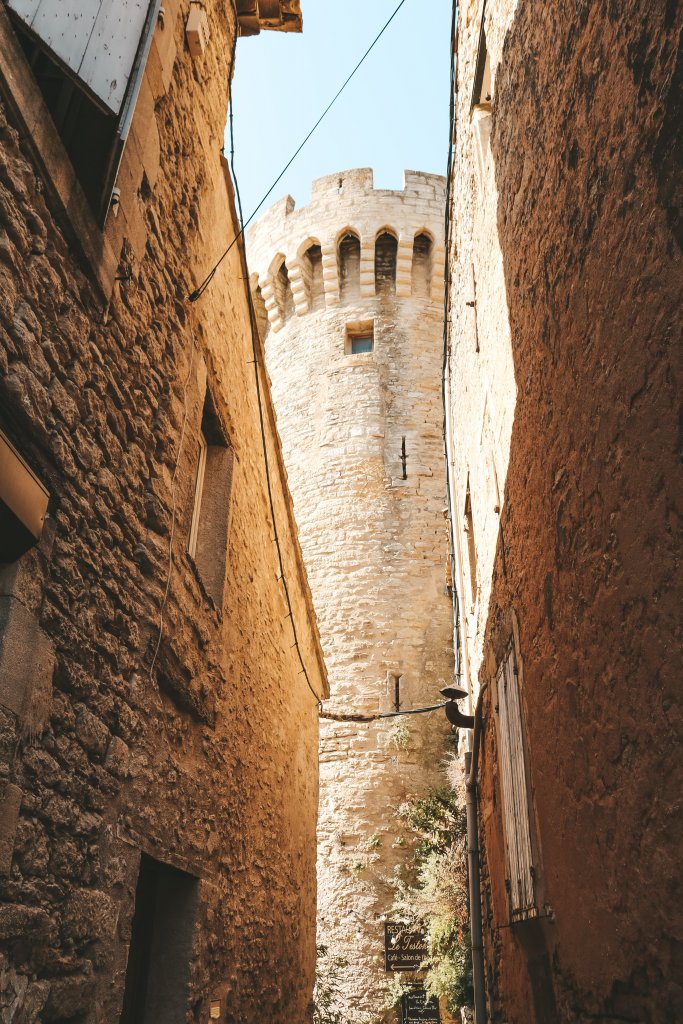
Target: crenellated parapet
350, 242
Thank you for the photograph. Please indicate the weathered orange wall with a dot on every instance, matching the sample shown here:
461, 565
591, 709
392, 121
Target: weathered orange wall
585, 152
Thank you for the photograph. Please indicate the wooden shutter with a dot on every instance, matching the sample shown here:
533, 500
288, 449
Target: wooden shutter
96, 40
102, 46
519, 863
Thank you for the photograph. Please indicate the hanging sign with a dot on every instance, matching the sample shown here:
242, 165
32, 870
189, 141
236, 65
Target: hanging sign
403, 950
418, 1007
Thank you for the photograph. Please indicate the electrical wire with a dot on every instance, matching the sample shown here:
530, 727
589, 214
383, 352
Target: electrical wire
255, 346
336, 716
199, 291
169, 570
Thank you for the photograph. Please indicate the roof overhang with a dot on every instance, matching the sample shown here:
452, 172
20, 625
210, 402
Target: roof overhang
277, 15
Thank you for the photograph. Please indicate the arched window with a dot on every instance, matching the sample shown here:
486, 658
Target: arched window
283, 292
260, 310
422, 265
349, 267
385, 264
312, 262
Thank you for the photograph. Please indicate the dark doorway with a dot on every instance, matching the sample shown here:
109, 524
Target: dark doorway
160, 945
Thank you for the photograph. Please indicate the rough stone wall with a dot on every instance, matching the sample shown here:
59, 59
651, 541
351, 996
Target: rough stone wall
208, 764
375, 545
564, 381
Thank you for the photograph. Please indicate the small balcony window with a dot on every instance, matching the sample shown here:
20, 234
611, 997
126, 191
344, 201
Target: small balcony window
519, 859
482, 92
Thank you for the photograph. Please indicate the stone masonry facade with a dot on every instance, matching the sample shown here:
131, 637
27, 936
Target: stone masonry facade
158, 739
350, 289
564, 302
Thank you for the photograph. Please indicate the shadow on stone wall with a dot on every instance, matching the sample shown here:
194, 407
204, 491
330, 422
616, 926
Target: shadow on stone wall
586, 143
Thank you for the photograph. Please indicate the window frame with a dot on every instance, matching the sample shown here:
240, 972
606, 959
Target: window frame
468, 529
193, 537
208, 537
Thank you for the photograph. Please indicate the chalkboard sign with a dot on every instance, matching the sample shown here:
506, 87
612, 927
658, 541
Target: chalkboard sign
418, 1007
403, 950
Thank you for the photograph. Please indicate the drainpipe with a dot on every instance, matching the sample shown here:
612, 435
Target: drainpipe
471, 766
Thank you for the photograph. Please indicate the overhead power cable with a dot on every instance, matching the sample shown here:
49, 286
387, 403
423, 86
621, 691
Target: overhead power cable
199, 291
264, 443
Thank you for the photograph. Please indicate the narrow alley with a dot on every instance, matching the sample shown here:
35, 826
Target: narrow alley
339, 536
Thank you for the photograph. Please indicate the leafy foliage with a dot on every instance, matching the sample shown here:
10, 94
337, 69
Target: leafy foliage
394, 991
327, 998
436, 819
432, 894
398, 737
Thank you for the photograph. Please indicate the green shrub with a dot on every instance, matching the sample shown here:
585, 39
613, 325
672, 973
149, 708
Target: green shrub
431, 895
328, 1005
398, 737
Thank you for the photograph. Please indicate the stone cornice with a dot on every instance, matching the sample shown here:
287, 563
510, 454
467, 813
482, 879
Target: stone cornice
276, 15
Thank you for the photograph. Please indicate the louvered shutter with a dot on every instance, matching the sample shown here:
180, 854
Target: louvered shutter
102, 46
96, 40
519, 862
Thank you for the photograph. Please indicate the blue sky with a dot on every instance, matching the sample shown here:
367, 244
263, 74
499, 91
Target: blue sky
393, 114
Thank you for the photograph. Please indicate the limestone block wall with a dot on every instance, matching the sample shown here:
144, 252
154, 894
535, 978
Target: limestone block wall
204, 764
374, 542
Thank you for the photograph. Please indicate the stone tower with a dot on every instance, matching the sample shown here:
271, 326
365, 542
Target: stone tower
350, 292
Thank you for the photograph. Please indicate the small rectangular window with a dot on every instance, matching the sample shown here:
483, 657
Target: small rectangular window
397, 693
359, 345
207, 542
360, 338
517, 827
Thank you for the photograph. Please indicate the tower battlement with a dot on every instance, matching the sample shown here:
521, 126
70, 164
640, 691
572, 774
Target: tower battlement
317, 251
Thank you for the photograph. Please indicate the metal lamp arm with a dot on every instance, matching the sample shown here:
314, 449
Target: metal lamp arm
412, 711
